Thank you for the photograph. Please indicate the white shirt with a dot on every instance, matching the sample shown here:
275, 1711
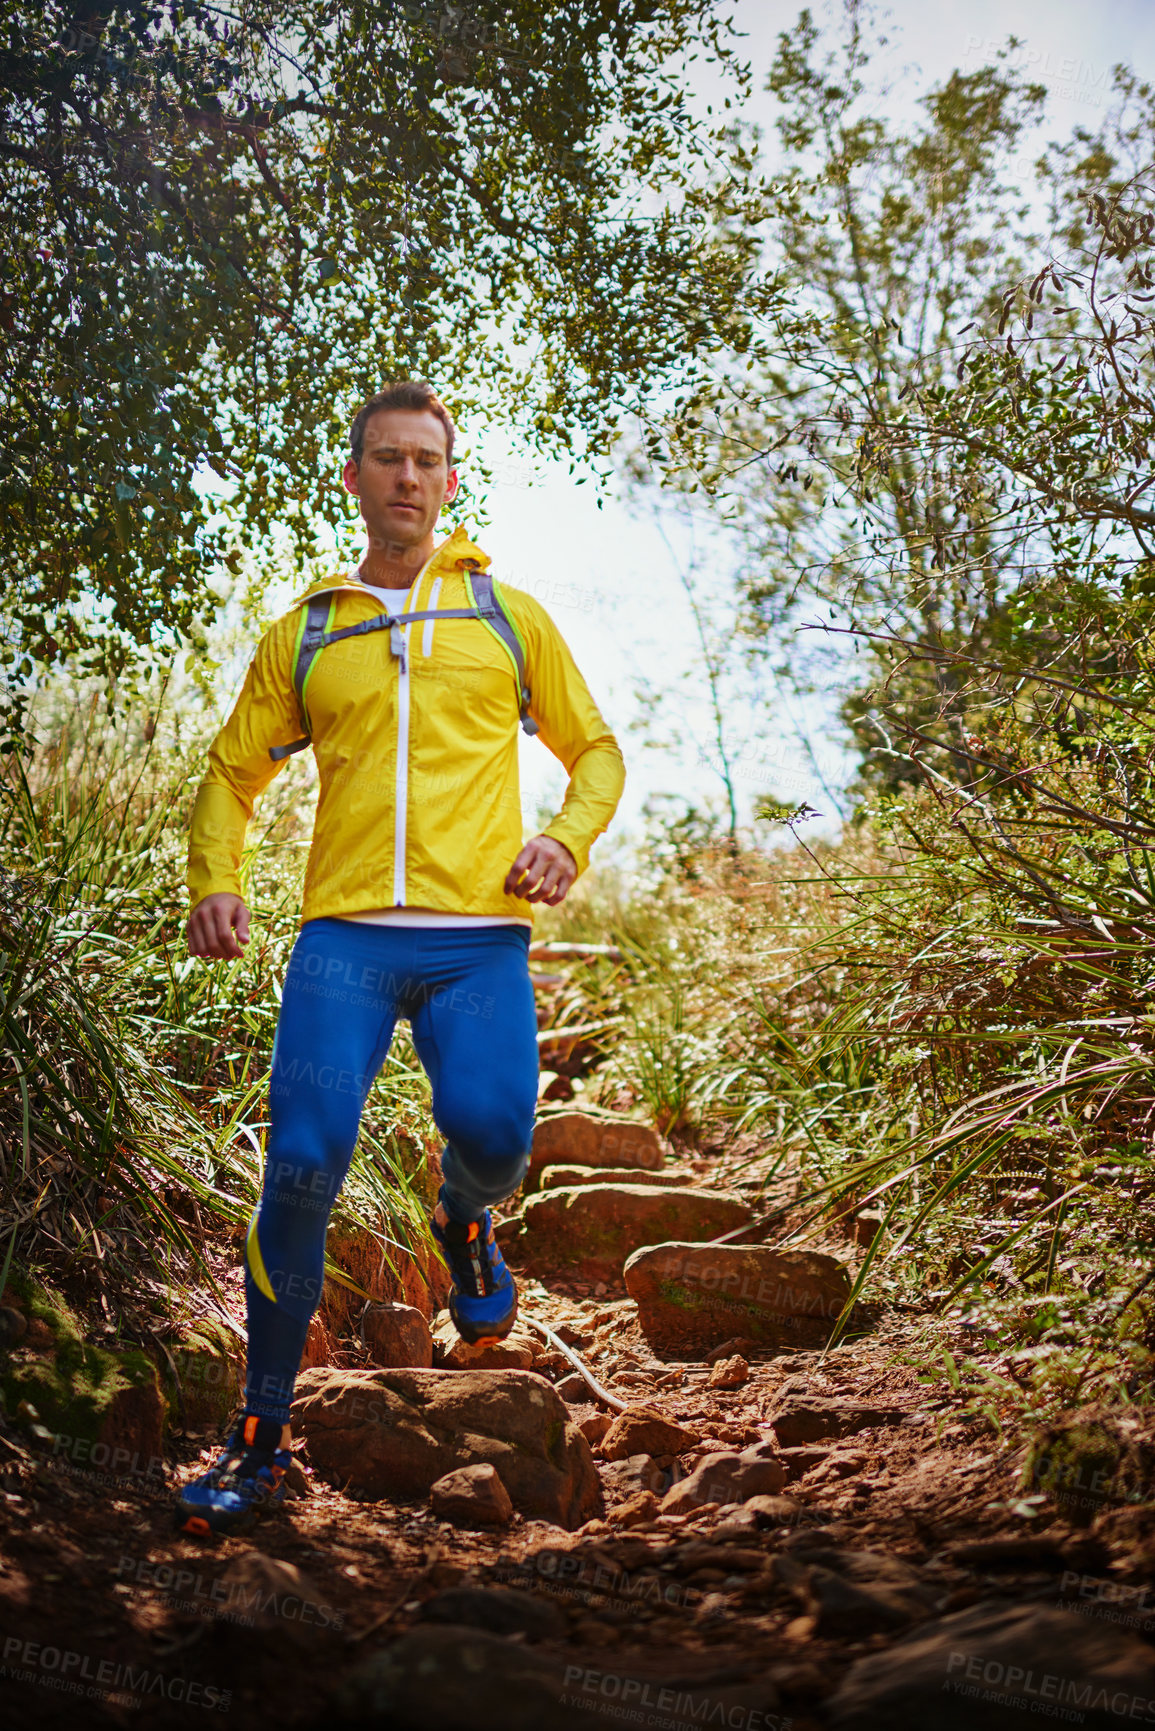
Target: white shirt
394, 600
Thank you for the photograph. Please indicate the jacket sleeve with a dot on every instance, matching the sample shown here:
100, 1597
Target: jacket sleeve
239, 766
573, 728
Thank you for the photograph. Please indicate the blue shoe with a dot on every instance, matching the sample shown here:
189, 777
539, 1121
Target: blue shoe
246, 1479
483, 1299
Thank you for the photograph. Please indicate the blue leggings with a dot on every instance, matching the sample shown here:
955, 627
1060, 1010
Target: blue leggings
469, 999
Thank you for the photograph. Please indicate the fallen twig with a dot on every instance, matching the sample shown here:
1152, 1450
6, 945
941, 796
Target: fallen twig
582, 1369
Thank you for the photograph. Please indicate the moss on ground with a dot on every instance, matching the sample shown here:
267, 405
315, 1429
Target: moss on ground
75, 1387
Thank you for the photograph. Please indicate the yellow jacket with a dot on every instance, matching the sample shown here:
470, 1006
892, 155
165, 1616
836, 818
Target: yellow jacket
419, 801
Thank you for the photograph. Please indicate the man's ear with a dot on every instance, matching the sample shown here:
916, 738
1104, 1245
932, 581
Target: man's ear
450, 487
350, 476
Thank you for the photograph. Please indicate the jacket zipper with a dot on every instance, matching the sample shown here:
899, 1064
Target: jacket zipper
401, 782
401, 786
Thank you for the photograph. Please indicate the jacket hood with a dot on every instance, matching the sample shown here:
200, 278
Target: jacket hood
455, 550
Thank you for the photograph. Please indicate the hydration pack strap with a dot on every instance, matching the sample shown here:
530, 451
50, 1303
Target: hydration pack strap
492, 613
488, 609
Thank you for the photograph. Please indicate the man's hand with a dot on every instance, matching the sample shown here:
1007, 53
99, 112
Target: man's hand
542, 872
218, 928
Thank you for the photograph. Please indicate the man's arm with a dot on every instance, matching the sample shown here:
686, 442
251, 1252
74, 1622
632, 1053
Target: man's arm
239, 768
573, 728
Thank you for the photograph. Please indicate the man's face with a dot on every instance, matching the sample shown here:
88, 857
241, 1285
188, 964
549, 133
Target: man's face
404, 478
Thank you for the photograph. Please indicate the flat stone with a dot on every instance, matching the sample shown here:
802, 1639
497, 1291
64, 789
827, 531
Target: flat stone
800, 1461
642, 1429
518, 1351
691, 1296
472, 1497
397, 1337
567, 1177
591, 1232
766, 1512
999, 1666
393, 1433
627, 1478
726, 1477
809, 1418
446, 1677
501, 1610
592, 1139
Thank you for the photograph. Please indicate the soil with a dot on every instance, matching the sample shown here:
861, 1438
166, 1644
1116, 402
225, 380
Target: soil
110, 1616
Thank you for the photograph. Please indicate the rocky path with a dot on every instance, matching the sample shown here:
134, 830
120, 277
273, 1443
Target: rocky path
750, 1533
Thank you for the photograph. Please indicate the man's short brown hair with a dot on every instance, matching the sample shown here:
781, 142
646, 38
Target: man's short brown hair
404, 394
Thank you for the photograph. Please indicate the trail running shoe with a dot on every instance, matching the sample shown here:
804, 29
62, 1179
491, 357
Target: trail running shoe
245, 1480
483, 1300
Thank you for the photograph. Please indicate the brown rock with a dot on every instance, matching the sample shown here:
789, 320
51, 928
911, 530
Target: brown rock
568, 1177
800, 1461
593, 1231
808, 1418
692, 1296
636, 1473
865, 1228
516, 1352
643, 1429
640, 1509
394, 1432
592, 1139
573, 1388
989, 1666
595, 1427
772, 1511
725, 1478
729, 1373
852, 1594
397, 1337
472, 1497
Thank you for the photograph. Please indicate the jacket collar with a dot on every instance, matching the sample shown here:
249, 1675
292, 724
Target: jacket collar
453, 553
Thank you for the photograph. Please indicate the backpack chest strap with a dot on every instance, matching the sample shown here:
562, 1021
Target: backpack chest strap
314, 637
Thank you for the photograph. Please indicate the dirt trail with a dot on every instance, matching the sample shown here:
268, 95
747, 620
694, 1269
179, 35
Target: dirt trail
750, 1617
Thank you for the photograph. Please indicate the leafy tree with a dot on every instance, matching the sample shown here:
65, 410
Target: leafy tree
887, 239
221, 226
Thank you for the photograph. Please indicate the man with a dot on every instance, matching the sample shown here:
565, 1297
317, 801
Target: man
416, 900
